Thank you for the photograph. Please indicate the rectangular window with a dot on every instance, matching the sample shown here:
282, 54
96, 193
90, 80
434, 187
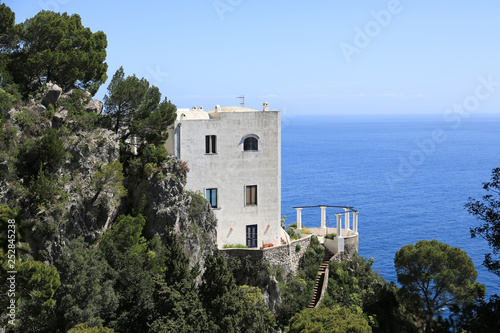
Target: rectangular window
251, 195
252, 235
211, 196
210, 144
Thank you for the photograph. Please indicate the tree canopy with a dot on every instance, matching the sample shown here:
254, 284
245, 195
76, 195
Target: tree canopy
434, 275
487, 210
68, 54
137, 110
323, 319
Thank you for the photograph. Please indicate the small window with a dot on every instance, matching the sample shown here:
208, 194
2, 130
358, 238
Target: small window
251, 143
211, 196
210, 144
251, 195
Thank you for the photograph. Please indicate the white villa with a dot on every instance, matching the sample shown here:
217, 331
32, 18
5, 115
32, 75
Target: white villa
234, 157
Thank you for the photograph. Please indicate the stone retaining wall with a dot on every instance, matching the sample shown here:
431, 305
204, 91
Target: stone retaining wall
286, 255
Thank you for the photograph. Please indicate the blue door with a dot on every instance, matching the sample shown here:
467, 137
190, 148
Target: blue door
252, 235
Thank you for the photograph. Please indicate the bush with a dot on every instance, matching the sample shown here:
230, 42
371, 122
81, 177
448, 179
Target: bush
235, 246
293, 233
43, 188
154, 154
305, 231
51, 149
74, 103
330, 236
298, 247
84, 328
323, 319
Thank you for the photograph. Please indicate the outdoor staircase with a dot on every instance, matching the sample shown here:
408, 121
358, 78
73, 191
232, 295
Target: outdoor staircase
318, 287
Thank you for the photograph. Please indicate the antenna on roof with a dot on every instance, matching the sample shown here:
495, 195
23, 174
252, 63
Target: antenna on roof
242, 100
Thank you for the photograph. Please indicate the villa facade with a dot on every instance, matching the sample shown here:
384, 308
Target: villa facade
234, 157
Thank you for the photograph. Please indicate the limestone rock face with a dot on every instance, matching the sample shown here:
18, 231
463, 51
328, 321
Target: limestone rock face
84, 212
52, 95
90, 214
82, 208
60, 115
94, 105
169, 205
272, 293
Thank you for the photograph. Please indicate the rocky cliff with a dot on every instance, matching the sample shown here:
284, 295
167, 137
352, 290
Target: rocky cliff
70, 184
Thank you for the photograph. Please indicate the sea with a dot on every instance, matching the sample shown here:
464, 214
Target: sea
409, 176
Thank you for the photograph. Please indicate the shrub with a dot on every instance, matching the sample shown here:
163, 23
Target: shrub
51, 149
84, 328
43, 188
298, 247
330, 236
306, 231
154, 154
323, 319
74, 103
235, 246
293, 233
198, 205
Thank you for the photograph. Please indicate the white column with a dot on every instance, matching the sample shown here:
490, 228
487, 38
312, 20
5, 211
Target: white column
299, 218
340, 239
339, 224
355, 220
323, 217
347, 219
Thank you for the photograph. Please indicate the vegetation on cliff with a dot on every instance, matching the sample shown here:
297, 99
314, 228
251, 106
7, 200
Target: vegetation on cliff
106, 238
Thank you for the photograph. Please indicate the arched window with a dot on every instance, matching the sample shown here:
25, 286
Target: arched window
251, 142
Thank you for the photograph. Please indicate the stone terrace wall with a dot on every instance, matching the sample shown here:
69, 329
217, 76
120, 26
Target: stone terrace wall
286, 256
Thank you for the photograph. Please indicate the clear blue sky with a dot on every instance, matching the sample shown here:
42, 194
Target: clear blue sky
302, 57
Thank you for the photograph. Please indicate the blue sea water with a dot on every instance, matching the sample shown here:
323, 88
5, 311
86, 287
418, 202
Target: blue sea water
408, 176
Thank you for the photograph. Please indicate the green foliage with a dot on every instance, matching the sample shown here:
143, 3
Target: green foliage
283, 220
353, 285
68, 53
124, 237
155, 155
248, 270
198, 205
7, 21
126, 250
293, 233
51, 149
330, 236
6, 214
137, 112
36, 283
177, 302
31, 122
483, 317
84, 328
434, 275
74, 103
487, 211
235, 246
228, 307
48, 152
108, 182
7, 101
298, 247
86, 293
323, 319
44, 188
305, 231
297, 291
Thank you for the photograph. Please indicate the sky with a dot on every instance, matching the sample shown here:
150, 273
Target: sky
334, 57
